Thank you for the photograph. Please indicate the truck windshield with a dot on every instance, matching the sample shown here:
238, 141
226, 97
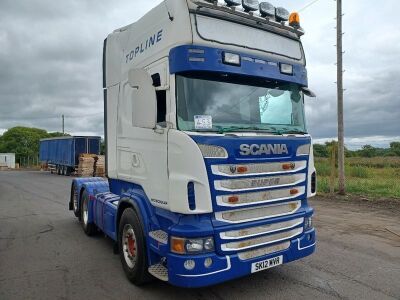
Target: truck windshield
222, 103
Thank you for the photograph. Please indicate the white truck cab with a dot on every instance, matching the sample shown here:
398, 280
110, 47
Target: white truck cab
209, 163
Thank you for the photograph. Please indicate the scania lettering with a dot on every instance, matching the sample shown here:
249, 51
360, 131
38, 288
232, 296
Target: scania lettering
263, 149
209, 164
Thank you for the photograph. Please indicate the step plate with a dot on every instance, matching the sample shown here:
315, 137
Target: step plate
160, 236
159, 271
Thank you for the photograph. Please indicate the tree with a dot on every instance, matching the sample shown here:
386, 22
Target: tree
320, 150
395, 148
24, 141
368, 151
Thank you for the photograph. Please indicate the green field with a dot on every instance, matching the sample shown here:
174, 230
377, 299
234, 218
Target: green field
377, 177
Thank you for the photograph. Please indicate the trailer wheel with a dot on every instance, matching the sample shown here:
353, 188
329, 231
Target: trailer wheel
58, 170
68, 171
132, 248
89, 228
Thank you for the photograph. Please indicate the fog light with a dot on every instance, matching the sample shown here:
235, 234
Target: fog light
267, 9
208, 262
189, 264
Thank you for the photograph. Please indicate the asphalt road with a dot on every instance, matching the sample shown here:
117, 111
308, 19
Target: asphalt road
44, 254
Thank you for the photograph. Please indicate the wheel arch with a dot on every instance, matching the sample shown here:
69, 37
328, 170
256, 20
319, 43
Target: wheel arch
142, 207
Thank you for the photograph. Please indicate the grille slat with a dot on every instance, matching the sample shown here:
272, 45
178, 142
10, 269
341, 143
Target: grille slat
254, 183
257, 213
260, 241
260, 230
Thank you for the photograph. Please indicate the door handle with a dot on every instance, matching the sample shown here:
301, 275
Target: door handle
135, 160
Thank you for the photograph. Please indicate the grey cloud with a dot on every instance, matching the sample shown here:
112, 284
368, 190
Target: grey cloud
51, 52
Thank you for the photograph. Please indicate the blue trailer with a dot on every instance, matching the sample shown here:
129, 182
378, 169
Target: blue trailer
61, 154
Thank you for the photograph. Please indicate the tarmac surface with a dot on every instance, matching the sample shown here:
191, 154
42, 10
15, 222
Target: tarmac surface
44, 253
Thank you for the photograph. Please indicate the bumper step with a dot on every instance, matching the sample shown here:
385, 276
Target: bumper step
159, 236
159, 271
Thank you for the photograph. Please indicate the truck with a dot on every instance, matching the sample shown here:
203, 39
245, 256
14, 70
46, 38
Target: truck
61, 154
208, 159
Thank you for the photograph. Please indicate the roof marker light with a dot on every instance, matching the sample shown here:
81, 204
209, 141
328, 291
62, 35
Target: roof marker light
231, 58
250, 5
282, 15
267, 9
233, 2
286, 69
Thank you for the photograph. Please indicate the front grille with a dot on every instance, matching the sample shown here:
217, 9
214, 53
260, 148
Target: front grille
260, 230
263, 197
260, 241
257, 213
260, 168
259, 182
263, 251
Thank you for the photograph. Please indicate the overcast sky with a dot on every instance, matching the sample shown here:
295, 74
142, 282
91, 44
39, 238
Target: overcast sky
51, 51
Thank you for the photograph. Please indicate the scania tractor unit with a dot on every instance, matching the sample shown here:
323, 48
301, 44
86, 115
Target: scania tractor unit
209, 163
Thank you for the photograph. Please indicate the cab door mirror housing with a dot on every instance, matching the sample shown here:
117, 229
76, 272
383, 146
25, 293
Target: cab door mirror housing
307, 92
144, 112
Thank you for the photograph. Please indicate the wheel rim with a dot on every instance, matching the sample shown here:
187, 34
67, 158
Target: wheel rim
129, 246
85, 211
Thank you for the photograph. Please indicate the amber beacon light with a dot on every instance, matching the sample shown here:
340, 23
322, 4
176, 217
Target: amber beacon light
294, 20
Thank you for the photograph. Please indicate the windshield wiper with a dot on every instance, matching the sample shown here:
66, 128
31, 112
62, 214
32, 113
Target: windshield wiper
292, 132
222, 130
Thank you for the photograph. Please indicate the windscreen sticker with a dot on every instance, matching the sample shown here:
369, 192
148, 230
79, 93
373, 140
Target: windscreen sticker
203, 122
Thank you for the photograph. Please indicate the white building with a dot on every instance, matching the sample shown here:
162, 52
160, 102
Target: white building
7, 159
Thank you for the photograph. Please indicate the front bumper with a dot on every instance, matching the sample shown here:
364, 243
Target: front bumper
228, 267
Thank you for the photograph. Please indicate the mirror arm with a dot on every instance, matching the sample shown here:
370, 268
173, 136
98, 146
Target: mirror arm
162, 88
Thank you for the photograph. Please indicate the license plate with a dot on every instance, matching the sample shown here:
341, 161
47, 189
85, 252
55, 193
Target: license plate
266, 264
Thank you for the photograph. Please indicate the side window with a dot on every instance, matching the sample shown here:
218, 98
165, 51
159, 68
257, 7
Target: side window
161, 100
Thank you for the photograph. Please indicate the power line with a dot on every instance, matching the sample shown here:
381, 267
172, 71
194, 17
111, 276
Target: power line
308, 5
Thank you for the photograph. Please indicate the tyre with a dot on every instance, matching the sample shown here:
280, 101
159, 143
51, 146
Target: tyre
68, 171
89, 228
132, 248
58, 168
74, 200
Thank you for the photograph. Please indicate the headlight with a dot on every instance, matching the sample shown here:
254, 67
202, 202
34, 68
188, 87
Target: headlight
192, 246
308, 223
303, 150
210, 151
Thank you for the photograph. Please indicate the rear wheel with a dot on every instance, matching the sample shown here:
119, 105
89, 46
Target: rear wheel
74, 200
132, 248
89, 228
58, 170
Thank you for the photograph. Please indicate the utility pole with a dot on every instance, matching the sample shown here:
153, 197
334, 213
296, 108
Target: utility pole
63, 119
339, 45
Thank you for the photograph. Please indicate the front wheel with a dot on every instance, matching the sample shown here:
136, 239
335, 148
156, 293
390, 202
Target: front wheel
132, 248
89, 228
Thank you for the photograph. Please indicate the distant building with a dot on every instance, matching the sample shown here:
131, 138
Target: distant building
7, 160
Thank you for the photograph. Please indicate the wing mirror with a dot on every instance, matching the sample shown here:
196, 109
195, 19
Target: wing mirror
306, 91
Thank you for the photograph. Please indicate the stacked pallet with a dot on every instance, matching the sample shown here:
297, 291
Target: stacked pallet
86, 165
99, 166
